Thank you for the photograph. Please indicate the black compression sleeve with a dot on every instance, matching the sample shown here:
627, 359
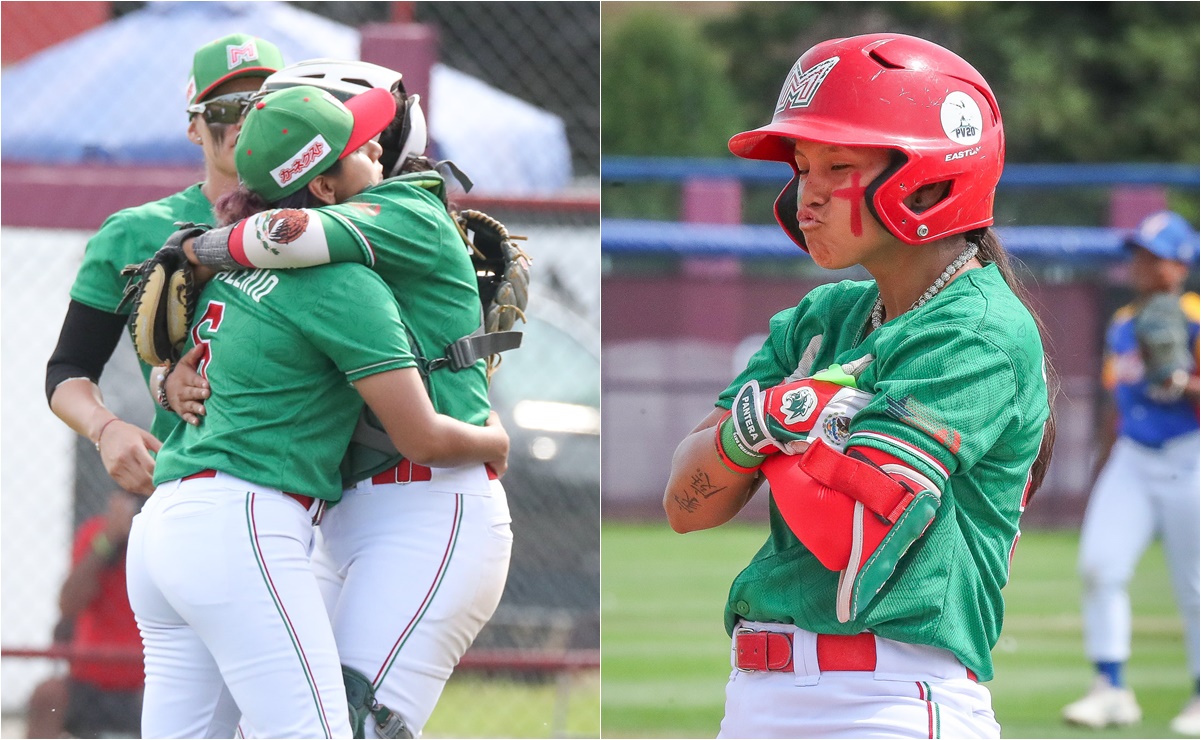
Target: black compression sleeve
85, 344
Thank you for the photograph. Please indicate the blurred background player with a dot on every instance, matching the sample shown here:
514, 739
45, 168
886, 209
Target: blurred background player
225, 73
95, 698
1148, 484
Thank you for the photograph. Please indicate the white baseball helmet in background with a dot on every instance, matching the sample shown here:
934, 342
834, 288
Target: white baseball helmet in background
344, 80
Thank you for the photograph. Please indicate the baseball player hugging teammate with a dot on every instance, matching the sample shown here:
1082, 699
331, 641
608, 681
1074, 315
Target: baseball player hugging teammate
903, 423
400, 631
232, 617
225, 73
1148, 485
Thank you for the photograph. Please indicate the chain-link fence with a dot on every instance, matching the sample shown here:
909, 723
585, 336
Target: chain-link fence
532, 671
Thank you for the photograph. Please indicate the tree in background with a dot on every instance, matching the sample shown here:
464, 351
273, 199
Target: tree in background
1077, 82
664, 88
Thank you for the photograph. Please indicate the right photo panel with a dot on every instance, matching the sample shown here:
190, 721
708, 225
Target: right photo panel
900, 369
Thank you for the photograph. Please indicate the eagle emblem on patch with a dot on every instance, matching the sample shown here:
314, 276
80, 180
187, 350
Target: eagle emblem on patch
798, 405
287, 225
837, 429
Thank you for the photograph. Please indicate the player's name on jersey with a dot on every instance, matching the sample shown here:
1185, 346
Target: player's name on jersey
255, 283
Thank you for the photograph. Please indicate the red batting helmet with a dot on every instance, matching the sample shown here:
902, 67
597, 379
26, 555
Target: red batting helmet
901, 93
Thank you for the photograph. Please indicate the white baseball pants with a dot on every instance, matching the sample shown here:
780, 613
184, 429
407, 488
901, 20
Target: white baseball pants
423, 565
1142, 493
915, 692
231, 616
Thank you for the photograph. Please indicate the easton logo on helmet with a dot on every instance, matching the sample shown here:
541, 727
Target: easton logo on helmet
961, 119
235, 55
800, 87
312, 153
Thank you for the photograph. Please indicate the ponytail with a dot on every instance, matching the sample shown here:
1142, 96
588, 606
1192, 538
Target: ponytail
241, 203
991, 250
238, 204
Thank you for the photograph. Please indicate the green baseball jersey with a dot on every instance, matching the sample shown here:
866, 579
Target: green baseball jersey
283, 348
960, 395
128, 237
400, 228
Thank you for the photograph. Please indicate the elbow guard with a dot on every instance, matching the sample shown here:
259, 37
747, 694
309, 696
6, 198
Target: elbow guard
858, 513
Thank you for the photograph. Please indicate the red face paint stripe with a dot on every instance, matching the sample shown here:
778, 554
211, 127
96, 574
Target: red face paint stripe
283, 612
853, 194
453, 539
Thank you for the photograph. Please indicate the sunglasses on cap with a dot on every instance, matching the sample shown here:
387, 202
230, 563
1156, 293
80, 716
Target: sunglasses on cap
228, 108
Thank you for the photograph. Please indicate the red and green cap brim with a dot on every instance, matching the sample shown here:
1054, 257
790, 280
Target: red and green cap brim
228, 58
292, 135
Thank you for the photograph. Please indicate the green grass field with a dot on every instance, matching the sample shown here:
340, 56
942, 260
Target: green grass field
474, 706
665, 655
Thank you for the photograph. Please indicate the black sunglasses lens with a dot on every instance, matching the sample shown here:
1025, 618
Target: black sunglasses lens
226, 109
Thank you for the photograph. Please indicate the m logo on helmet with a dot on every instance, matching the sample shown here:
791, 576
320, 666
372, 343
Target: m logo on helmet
800, 87
237, 55
961, 119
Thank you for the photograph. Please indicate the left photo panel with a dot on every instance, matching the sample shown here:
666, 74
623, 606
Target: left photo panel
300, 417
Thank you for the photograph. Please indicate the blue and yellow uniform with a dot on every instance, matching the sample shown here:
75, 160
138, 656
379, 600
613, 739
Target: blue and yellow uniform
1140, 417
1148, 487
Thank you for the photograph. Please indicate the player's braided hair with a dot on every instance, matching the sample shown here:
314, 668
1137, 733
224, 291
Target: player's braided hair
992, 250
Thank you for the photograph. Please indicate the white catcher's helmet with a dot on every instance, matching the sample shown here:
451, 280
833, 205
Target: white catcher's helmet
344, 80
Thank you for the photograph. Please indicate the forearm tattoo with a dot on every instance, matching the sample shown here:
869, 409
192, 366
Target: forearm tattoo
699, 487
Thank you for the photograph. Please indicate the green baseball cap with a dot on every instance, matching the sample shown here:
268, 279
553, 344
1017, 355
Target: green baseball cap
235, 55
292, 135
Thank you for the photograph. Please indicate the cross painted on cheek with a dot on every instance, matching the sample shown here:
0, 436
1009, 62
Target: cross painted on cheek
854, 194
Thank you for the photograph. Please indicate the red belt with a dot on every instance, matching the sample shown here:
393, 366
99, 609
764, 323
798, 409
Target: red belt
300, 498
772, 651
409, 472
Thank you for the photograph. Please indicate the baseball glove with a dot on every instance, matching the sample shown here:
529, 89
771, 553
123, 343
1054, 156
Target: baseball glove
1162, 331
164, 294
501, 267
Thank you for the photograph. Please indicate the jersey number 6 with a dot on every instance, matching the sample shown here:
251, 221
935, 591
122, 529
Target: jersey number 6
212, 317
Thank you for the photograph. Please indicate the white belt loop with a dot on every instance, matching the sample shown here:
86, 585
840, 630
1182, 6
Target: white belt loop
804, 658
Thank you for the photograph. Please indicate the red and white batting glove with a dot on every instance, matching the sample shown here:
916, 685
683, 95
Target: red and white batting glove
762, 422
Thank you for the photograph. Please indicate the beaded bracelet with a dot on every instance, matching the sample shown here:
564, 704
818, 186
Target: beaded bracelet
101, 434
162, 388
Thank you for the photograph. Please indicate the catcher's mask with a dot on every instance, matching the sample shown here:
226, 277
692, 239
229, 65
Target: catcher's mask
344, 80
901, 93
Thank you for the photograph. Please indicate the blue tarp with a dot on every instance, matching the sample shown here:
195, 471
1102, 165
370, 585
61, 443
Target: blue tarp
115, 94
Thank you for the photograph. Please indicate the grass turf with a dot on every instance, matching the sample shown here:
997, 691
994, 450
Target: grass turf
665, 656
477, 706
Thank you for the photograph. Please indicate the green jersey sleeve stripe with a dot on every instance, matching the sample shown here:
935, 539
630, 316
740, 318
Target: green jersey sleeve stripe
359, 237
927, 462
380, 367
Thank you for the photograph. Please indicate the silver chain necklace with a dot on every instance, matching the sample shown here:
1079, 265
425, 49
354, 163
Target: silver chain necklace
967, 254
